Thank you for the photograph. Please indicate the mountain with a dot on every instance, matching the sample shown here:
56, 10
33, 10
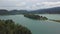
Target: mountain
3, 11
12, 12
18, 12
55, 10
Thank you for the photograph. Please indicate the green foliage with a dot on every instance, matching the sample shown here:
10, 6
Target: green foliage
9, 27
37, 17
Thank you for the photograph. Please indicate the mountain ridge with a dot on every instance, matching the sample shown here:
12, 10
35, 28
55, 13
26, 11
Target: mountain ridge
55, 10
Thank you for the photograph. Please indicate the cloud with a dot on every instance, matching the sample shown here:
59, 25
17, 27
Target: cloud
51, 4
28, 4
21, 4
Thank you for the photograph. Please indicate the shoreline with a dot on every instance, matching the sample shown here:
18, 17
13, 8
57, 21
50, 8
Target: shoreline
55, 20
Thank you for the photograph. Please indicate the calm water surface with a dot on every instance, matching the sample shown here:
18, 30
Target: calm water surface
37, 26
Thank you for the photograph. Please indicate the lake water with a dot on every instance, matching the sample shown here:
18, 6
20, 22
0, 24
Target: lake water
37, 26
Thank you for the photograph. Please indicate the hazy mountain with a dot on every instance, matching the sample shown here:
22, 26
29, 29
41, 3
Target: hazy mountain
55, 10
3, 11
18, 11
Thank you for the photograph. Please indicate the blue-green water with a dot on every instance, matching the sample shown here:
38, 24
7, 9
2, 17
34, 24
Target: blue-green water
37, 26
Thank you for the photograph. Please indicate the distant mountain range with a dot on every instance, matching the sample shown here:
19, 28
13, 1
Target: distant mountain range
55, 10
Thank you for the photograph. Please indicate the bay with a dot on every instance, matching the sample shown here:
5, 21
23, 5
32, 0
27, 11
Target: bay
37, 26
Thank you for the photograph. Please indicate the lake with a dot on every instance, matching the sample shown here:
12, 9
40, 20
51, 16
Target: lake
37, 26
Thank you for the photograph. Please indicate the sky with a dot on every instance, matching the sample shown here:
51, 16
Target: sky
28, 4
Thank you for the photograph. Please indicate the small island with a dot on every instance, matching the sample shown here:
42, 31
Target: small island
32, 16
9, 27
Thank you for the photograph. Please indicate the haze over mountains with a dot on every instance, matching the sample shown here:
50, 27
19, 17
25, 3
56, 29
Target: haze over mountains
55, 10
